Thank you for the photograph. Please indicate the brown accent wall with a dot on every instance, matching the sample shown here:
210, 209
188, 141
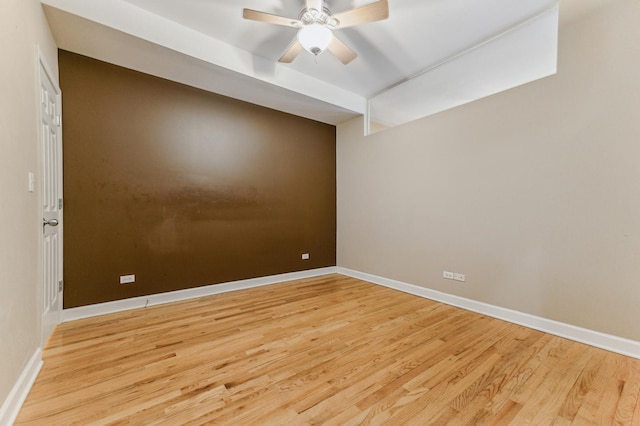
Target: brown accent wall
185, 188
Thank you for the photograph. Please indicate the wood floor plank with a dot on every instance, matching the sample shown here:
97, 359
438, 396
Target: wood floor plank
636, 411
582, 386
544, 406
507, 380
327, 350
602, 396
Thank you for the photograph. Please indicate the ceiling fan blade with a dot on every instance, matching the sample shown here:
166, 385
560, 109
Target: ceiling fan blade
314, 4
292, 52
341, 51
372, 12
255, 15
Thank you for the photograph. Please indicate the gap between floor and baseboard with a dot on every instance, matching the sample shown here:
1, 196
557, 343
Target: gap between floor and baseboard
190, 293
12, 404
583, 335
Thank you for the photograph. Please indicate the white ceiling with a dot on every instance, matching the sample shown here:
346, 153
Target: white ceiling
207, 44
417, 35
524, 54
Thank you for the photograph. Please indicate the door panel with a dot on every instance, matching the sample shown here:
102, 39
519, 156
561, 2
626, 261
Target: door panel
50, 139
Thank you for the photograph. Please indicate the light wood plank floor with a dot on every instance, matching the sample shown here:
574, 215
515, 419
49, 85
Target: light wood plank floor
328, 350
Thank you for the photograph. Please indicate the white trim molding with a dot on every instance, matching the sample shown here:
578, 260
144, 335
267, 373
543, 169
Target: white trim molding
608, 342
190, 293
11, 406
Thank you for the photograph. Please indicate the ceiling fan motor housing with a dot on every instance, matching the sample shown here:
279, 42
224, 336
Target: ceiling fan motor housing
315, 16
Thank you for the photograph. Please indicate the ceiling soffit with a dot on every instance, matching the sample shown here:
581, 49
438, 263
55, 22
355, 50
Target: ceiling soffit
208, 45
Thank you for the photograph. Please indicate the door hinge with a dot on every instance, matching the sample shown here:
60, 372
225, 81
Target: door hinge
60, 285
58, 120
59, 203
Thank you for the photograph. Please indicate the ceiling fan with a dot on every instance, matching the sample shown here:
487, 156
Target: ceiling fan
315, 24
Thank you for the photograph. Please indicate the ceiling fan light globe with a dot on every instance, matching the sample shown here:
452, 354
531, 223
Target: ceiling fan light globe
314, 38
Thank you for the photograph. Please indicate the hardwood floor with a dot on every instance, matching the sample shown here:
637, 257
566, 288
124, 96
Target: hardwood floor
329, 350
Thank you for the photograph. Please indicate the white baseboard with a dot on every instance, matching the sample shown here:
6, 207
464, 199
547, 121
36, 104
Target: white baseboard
11, 406
190, 293
590, 337
593, 338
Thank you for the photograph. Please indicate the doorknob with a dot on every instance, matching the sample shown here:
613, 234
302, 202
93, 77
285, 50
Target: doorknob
50, 222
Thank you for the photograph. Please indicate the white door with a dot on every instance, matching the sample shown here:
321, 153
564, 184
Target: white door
51, 171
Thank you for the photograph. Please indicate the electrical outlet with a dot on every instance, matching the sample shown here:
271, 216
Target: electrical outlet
459, 277
305, 256
127, 279
448, 275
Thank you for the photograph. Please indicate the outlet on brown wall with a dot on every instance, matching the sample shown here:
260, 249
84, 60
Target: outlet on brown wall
185, 188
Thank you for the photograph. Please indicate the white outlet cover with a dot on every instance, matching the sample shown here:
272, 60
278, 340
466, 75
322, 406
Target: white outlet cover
305, 256
448, 275
459, 277
127, 279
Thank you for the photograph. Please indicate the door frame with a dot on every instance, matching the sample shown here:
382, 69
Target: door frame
44, 70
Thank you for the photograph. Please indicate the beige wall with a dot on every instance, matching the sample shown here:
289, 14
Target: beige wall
22, 28
533, 193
